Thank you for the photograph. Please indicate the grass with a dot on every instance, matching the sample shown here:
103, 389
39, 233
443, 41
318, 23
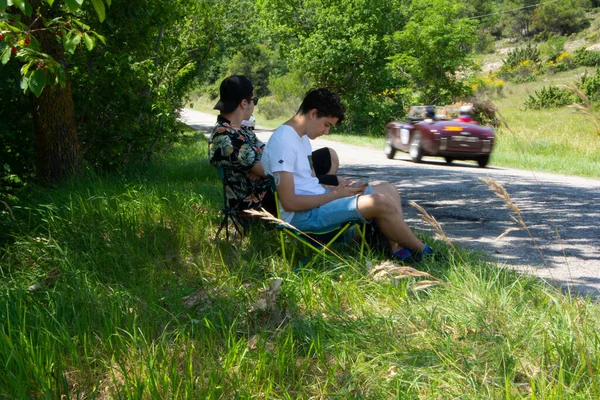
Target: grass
115, 287
546, 140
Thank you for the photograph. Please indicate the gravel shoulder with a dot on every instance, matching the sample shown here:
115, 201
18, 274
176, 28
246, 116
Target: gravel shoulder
562, 213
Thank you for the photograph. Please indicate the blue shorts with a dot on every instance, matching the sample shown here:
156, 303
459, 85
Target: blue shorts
330, 215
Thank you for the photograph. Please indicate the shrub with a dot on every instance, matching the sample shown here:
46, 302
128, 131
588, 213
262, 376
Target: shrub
521, 54
487, 84
272, 108
484, 111
586, 58
521, 64
563, 62
484, 43
590, 85
549, 97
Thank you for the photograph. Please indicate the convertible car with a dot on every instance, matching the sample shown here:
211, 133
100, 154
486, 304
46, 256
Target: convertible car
439, 131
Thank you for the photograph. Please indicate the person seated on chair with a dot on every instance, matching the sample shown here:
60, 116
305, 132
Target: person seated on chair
309, 206
238, 151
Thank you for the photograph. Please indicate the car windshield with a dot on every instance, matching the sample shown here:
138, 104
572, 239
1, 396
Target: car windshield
418, 113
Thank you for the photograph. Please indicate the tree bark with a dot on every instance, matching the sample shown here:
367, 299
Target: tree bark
56, 142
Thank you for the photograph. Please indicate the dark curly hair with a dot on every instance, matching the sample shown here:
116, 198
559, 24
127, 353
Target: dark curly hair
325, 101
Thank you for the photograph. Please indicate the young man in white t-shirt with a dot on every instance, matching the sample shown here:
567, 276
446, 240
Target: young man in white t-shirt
308, 205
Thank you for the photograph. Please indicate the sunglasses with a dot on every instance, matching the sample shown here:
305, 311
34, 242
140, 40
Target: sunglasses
254, 100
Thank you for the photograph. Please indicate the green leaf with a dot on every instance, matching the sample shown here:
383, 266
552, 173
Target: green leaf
71, 41
24, 83
108, 2
37, 81
5, 55
73, 5
99, 7
89, 42
50, 2
99, 37
3, 5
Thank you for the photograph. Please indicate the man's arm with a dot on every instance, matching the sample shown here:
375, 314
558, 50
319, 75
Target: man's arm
292, 202
257, 169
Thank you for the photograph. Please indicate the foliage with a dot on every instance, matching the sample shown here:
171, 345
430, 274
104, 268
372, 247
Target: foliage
554, 97
287, 93
516, 20
128, 91
586, 58
487, 84
552, 46
21, 37
561, 17
258, 63
433, 51
549, 97
530, 52
16, 130
522, 64
563, 62
590, 85
484, 111
484, 43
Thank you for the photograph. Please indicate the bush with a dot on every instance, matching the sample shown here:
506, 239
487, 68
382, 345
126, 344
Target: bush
521, 54
489, 84
272, 108
586, 58
521, 64
549, 97
484, 111
590, 85
485, 42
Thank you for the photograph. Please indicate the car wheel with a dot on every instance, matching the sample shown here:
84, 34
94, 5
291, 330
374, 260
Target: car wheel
415, 150
389, 149
449, 160
483, 161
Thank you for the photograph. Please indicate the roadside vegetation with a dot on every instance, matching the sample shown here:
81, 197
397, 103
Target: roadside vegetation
113, 282
115, 287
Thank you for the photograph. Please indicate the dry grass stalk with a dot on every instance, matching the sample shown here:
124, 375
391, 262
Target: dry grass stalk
501, 192
390, 270
430, 220
267, 216
586, 109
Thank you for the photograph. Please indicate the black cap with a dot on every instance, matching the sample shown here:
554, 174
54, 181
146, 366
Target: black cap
232, 91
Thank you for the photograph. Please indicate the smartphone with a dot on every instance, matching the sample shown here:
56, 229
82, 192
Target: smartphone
360, 183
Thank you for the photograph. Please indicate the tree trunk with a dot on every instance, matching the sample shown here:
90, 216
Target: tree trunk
56, 140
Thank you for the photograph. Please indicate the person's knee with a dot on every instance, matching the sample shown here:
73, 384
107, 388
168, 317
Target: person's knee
376, 205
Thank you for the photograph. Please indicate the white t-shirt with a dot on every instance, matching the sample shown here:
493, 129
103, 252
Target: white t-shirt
286, 151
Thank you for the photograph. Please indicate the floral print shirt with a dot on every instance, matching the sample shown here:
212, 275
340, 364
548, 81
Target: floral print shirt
236, 150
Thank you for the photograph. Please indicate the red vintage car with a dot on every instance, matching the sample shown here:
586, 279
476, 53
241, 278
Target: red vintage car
439, 131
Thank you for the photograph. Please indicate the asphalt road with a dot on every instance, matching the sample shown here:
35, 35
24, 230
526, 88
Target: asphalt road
561, 212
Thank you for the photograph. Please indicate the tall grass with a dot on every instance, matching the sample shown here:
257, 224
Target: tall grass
114, 287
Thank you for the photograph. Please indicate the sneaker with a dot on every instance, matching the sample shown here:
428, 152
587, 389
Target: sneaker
405, 254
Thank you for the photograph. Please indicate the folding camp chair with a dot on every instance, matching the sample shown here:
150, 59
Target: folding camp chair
319, 241
230, 214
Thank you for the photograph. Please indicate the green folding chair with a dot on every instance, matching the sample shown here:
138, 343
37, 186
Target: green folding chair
321, 241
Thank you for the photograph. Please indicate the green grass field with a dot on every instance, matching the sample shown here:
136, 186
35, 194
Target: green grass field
115, 287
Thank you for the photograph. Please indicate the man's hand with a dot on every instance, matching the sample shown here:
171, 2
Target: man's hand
344, 190
343, 181
253, 176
